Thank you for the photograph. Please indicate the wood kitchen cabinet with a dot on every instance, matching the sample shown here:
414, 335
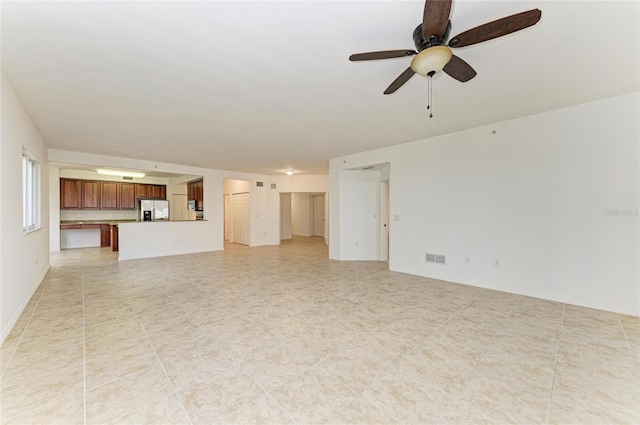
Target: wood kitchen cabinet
70, 196
105, 235
127, 196
109, 195
77, 194
90, 194
143, 190
159, 191
114, 238
195, 192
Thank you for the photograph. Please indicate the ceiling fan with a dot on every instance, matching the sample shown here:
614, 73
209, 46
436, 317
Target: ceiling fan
434, 53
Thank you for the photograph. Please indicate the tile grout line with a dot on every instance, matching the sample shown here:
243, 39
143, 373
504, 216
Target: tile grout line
84, 350
555, 366
155, 353
455, 396
626, 338
26, 326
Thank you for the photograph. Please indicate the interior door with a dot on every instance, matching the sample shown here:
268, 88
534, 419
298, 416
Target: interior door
241, 218
227, 219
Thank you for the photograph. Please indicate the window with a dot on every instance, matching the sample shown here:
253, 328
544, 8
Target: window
30, 193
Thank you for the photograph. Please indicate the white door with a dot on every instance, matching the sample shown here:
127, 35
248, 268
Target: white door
241, 218
318, 215
179, 207
227, 218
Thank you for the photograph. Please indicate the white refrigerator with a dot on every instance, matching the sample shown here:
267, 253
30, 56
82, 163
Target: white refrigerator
153, 210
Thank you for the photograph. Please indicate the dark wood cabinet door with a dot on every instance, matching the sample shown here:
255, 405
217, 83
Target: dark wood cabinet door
127, 196
109, 195
199, 195
159, 191
195, 192
114, 238
143, 190
90, 194
70, 198
105, 235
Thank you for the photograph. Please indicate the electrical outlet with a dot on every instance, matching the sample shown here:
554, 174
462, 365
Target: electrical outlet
36, 261
496, 262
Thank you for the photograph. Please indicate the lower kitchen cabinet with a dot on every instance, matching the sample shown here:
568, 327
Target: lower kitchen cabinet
105, 235
114, 238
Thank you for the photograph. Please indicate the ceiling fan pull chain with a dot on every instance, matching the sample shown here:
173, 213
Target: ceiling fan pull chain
430, 102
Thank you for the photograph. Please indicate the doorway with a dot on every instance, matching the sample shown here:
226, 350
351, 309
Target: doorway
303, 214
237, 211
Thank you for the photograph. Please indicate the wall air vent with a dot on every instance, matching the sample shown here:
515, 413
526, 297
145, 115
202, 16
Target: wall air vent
127, 178
259, 184
273, 185
435, 259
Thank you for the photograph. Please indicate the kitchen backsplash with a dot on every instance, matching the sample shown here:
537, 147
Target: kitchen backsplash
98, 215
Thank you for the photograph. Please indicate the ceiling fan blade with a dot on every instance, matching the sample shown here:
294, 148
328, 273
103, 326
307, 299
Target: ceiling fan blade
435, 17
459, 69
497, 28
398, 82
385, 54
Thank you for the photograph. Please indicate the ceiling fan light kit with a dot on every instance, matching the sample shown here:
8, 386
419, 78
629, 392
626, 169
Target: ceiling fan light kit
431, 60
434, 54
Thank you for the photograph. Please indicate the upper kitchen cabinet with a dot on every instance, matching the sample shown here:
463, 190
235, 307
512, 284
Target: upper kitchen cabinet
109, 195
90, 194
70, 198
195, 192
159, 191
143, 190
127, 196
151, 191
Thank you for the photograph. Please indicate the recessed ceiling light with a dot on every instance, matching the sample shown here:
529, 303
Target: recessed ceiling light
289, 172
120, 173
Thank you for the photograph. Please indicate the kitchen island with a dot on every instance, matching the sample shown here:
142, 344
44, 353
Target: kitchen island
149, 239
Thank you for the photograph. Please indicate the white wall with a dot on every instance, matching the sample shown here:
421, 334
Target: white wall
24, 258
554, 197
159, 239
301, 214
359, 192
236, 186
285, 216
54, 209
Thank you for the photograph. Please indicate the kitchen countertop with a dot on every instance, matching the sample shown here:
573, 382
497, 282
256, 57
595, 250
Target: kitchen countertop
96, 221
115, 222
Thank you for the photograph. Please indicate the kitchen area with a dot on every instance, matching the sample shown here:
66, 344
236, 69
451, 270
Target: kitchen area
95, 206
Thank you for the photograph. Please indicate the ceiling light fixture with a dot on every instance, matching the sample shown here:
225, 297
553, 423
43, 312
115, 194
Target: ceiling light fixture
431, 60
428, 62
289, 172
120, 173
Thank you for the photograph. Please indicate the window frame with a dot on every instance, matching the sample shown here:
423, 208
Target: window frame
31, 193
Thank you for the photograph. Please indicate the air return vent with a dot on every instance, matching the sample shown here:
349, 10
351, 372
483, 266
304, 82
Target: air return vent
435, 259
127, 178
259, 184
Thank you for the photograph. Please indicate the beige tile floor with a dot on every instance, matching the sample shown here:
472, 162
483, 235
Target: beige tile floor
279, 335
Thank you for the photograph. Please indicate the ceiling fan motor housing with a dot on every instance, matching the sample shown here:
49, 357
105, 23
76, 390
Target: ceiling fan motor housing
423, 43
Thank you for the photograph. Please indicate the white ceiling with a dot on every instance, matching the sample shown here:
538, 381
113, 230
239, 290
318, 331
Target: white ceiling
266, 86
